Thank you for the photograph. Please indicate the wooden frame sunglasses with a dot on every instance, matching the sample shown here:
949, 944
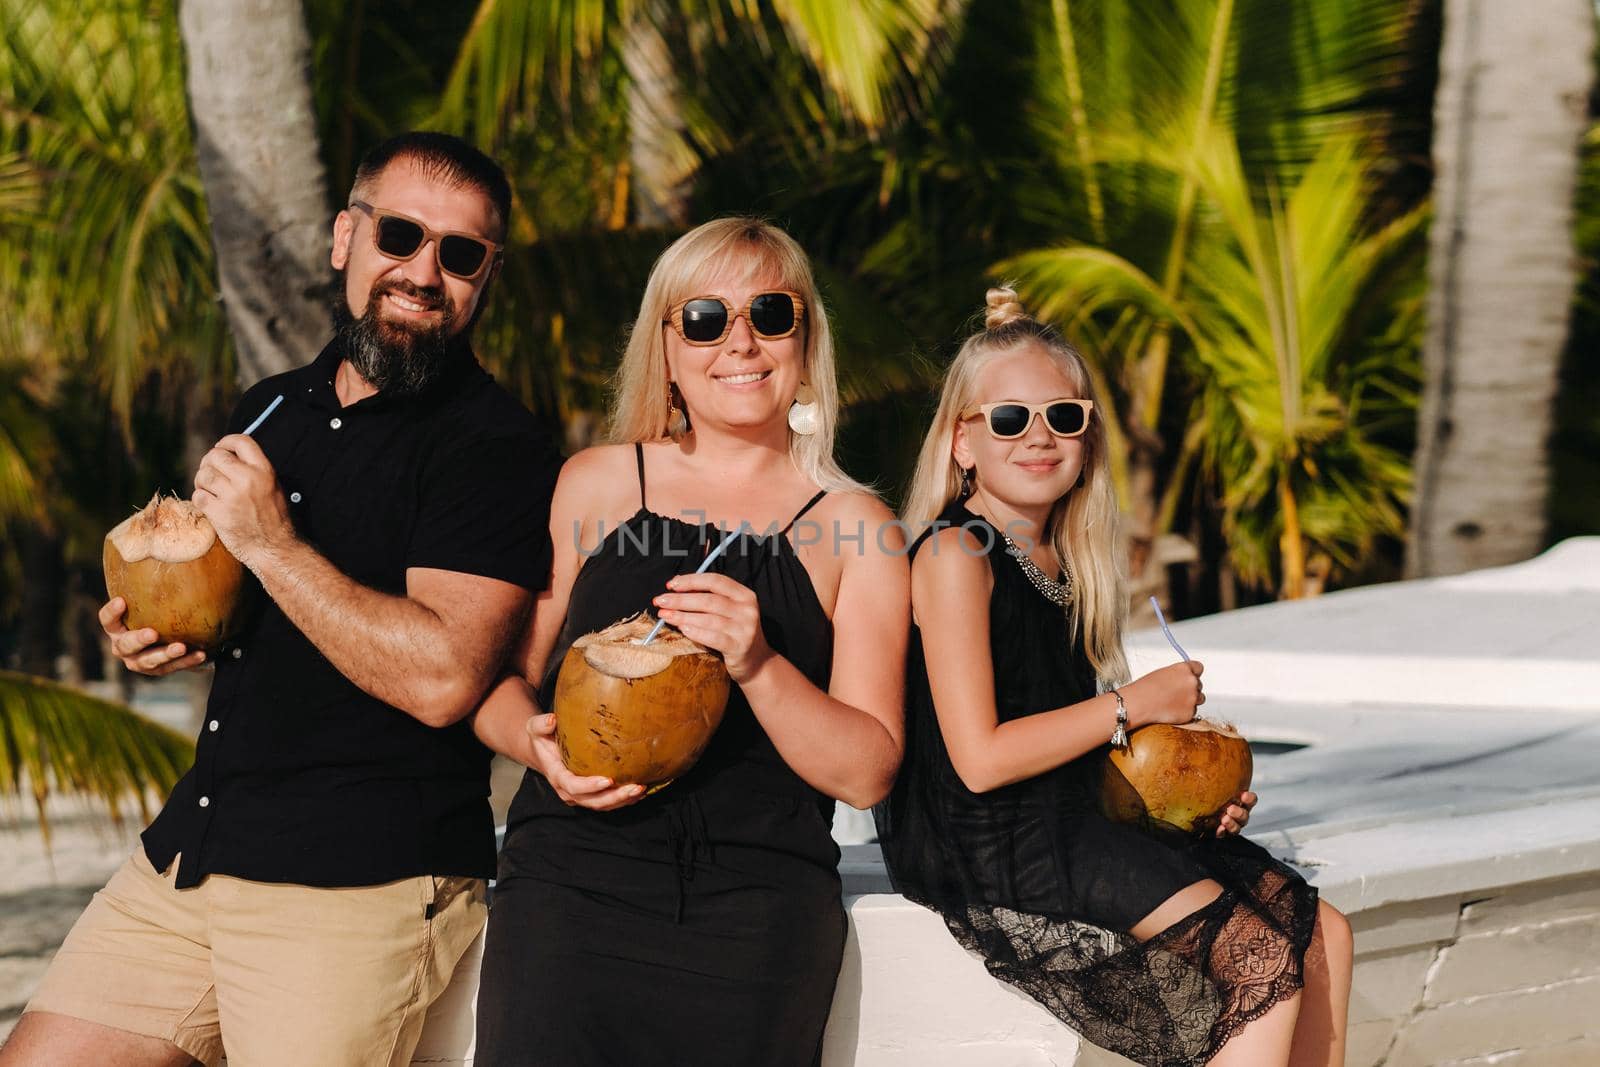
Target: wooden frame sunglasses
401, 237
708, 320
1010, 419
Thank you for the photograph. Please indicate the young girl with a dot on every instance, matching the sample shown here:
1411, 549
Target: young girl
1167, 952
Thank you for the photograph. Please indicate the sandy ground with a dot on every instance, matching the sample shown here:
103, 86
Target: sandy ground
42, 892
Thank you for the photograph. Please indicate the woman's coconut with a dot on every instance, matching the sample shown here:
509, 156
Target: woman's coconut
167, 563
1176, 777
637, 713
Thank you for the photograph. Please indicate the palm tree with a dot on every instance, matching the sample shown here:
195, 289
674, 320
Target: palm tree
250, 99
612, 116
1272, 304
1503, 275
1129, 100
106, 227
105, 276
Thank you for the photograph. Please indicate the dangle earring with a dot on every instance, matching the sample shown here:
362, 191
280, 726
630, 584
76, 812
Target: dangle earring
966, 482
803, 412
677, 417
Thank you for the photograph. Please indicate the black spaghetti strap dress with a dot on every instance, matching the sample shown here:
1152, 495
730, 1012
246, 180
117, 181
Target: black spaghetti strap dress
1035, 879
703, 924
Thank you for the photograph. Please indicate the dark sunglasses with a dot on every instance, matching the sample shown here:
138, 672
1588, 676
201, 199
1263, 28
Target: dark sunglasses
461, 255
1010, 419
707, 320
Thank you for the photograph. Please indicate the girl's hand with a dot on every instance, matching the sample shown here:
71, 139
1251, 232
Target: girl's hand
594, 793
719, 613
1169, 695
1236, 814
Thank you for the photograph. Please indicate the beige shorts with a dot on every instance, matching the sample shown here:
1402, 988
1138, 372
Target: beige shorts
271, 974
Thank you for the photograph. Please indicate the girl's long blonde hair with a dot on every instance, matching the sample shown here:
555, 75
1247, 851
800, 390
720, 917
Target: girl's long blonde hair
1082, 525
746, 248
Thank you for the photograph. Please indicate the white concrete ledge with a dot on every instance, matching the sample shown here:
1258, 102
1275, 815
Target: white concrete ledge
1448, 801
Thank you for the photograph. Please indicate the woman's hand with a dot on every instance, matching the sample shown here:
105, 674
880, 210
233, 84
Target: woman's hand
595, 793
1236, 814
1169, 695
719, 613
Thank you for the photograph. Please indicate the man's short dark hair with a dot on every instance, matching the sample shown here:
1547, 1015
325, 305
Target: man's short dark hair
444, 157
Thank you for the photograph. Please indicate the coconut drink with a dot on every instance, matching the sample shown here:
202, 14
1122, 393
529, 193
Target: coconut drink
167, 563
637, 713
1176, 777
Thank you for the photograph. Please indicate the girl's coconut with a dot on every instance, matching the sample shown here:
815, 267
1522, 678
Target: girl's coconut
1176, 776
168, 564
637, 713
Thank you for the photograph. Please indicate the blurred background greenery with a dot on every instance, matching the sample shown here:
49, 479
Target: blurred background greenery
1225, 203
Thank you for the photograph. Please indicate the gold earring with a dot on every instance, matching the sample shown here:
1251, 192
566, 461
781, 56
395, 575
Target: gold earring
677, 417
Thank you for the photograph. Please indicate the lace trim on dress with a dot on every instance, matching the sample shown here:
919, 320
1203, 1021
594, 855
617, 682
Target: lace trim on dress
1171, 1001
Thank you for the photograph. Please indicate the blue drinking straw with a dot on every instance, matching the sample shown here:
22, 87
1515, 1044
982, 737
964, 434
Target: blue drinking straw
248, 430
710, 559
1173, 641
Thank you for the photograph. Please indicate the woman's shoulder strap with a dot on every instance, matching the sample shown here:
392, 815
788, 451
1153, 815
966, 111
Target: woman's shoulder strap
801, 513
638, 457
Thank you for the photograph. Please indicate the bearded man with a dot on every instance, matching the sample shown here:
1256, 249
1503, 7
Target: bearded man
313, 880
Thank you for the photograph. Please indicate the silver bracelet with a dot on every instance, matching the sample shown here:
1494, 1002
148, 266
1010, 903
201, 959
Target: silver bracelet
1119, 736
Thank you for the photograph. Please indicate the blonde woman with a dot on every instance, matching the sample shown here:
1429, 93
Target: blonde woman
703, 924
1167, 951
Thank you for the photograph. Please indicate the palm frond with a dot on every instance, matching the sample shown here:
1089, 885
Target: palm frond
118, 269
55, 739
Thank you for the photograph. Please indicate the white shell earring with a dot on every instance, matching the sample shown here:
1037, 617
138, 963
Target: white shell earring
803, 418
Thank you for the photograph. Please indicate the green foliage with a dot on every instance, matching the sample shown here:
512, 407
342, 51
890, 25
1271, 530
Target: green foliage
57, 739
1142, 168
1220, 313
101, 207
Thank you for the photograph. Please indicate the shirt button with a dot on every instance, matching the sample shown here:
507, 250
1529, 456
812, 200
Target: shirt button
205, 802
294, 498
237, 652
335, 422
213, 725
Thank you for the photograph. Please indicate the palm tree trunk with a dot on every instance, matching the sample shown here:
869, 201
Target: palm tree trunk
256, 138
1514, 80
1291, 546
659, 162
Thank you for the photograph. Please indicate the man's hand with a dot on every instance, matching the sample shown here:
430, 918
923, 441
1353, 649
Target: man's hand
237, 490
134, 647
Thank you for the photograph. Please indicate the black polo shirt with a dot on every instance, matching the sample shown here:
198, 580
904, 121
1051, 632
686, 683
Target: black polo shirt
299, 776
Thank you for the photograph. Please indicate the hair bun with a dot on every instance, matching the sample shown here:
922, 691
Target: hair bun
1003, 308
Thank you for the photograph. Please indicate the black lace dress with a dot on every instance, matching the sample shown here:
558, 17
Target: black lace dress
704, 924
1045, 888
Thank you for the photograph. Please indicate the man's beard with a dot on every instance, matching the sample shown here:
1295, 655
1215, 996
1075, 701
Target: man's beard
396, 358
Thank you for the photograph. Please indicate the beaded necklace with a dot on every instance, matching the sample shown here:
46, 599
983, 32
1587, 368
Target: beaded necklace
1058, 593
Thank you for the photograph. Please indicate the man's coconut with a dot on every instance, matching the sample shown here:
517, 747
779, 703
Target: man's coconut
168, 564
1176, 777
637, 713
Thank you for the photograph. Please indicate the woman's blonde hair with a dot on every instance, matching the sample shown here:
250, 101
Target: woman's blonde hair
1082, 525
744, 248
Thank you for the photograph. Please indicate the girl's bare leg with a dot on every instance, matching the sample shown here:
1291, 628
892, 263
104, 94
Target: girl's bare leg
1264, 1041
1319, 1035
